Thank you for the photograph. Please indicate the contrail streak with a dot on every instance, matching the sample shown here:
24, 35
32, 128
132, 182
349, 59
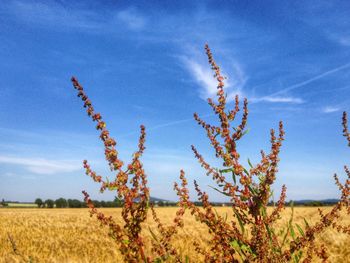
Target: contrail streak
295, 86
298, 85
162, 125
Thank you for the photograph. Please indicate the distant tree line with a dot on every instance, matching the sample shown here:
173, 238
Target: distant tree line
3, 203
314, 203
196, 203
75, 203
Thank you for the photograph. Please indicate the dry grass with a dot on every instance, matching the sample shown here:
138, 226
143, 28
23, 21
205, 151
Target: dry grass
70, 235
30, 205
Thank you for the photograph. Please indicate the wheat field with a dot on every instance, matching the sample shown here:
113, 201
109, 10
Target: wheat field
71, 235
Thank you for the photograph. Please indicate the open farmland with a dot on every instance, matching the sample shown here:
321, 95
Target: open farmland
22, 205
70, 235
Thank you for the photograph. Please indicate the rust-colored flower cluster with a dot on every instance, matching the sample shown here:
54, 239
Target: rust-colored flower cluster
133, 191
162, 245
252, 235
250, 193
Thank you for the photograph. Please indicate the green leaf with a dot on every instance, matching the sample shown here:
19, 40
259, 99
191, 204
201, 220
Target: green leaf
300, 230
252, 190
216, 212
239, 220
306, 223
126, 241
234, 177
281, 231
272, 196
245, 132
289, 225
242, 249
246, 172
236, 246
226, 170
263, 211
225, 219
292, 233
291, 229
246, 248
219, 190
187, 259
153, 235
269, 231
297, 256
250, 164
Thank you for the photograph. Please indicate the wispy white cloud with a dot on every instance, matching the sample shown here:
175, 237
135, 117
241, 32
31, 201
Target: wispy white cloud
67, 17
305, 82
52, 14
343, 40
203, 75
277, 99
41, 165
133, 19
9, 174
334, 27
330, 109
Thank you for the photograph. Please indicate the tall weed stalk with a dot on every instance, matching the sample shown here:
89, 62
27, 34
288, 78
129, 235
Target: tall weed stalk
252, 236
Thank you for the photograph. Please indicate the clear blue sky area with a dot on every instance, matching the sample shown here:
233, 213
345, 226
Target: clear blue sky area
143, 62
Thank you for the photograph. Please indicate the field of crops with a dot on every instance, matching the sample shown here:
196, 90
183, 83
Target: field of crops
70, 235
22, 205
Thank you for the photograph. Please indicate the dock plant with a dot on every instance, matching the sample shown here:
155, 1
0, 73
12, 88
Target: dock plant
252, 235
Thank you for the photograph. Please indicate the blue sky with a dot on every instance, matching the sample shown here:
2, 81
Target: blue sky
143, 62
